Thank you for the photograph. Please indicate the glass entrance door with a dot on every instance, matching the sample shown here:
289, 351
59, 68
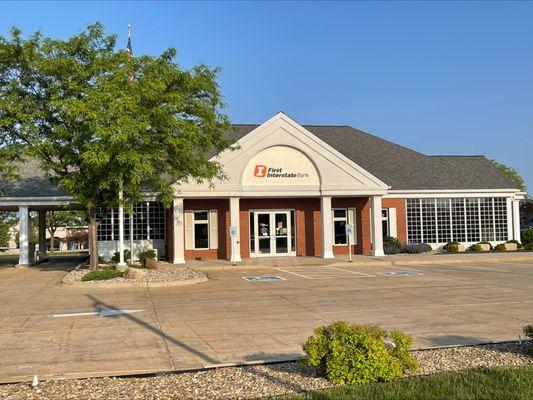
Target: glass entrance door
272, 233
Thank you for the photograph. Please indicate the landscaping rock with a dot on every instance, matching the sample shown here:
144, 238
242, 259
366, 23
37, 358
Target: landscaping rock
511, 246
151, 263
485, 246
134, 273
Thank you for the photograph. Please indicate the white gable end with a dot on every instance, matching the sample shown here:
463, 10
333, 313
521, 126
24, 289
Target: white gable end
282, 158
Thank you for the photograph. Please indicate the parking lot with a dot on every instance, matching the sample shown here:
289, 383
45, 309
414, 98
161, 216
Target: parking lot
232, 320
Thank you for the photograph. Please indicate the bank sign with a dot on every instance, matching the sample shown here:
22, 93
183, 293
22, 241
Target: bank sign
280, 165
263, 171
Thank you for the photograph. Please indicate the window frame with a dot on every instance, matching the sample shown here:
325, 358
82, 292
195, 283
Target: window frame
200, 222
345, 219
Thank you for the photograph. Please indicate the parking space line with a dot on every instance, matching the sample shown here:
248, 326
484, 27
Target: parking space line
347, 270
293, 273
402, 267
470, 267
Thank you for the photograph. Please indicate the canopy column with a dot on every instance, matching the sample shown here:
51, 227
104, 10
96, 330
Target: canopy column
24, 239
42, 235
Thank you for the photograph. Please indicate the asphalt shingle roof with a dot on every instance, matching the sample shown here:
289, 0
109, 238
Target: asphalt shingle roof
397, 166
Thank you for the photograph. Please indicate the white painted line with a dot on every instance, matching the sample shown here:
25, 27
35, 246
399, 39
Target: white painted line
81, 314
101, 313
347, 270
293, 273
469, 267
402, 267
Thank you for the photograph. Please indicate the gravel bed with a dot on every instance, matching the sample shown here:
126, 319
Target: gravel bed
165, 273
250, 382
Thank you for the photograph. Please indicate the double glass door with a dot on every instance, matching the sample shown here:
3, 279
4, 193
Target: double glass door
272, 233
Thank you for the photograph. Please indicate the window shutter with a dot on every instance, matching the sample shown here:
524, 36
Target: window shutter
392, 223
351, 221
213, 229
189, 230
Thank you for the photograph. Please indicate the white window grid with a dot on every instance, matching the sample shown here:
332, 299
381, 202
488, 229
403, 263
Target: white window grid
470, 219
149, 222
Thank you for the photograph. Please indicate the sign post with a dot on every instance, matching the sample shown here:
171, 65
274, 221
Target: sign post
349, 231
233, 234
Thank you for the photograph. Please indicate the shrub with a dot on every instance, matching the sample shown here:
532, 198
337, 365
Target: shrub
500, 247
476, 247
116, 256
416, 248
451, 247
135, 265
102, 274
518, 244
349, 354
391, 241
528, 246
391, 250
528, 331
527, 236
147, 254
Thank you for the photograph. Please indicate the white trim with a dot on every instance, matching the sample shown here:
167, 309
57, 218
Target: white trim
407, 194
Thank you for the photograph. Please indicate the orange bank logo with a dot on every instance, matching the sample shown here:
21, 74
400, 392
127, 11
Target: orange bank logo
260, 171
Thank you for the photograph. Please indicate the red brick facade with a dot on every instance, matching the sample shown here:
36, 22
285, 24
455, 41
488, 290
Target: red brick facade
307, 221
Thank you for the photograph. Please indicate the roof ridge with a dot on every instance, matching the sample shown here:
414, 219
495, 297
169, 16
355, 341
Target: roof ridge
457, 155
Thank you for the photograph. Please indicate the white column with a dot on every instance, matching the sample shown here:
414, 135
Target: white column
375, 220
132, 249
516, 220
327, 228
179, 235
121, 263
42, 235
24, 245
509, 207
234, 220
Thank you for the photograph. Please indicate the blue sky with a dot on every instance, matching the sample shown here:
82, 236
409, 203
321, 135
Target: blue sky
441, 78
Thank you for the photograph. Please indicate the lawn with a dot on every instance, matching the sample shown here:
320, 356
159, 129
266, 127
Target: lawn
479, 384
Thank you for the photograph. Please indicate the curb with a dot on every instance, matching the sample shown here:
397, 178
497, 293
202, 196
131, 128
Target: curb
96, 284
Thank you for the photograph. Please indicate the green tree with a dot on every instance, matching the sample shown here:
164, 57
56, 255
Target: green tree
511, 173
95, 116
7, 220
56, 219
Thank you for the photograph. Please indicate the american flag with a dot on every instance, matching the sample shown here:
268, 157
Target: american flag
128, 47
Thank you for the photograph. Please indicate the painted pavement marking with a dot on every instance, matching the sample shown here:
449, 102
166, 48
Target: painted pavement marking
293, 273
101, 313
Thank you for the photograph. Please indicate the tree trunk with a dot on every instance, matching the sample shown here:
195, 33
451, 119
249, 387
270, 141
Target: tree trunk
52, 239
93, 238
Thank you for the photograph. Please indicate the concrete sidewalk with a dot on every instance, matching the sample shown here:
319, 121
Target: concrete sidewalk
359, 260
228, 320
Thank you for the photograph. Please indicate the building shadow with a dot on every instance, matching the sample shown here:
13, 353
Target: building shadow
99, 305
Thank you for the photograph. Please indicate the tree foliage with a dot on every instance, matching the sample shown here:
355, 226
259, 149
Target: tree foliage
95, 116
511, 173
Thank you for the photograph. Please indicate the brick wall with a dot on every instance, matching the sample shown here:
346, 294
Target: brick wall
401, 217
307, 219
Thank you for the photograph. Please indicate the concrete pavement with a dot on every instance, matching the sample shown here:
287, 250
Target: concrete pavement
229, 320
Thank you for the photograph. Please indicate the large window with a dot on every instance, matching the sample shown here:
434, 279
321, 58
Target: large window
149, 222
340, 219
457, 219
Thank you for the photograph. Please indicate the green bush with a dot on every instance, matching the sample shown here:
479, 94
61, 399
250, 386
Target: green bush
500, 247
349, 354
391, 241
528, 246
527, 236
528, 331
476, 247
145, 255
116, 256
452, 247
102, 274
135, 265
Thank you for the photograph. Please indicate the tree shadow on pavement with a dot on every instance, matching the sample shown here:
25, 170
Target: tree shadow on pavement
100, 305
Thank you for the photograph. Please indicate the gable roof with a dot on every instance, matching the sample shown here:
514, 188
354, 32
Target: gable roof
397, 166
400, 167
